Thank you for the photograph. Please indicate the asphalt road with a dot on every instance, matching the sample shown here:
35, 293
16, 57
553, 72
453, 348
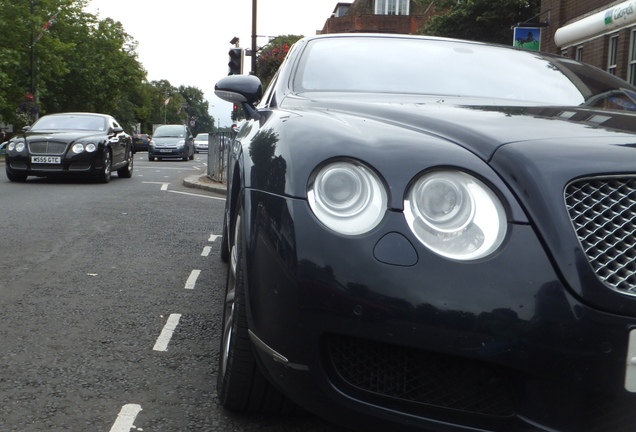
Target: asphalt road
110, 306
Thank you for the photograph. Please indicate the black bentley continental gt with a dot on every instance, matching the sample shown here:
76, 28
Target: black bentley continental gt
71, 144
432, 234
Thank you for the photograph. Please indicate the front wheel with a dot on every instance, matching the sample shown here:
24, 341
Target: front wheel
225, 249
15, 177
241, 386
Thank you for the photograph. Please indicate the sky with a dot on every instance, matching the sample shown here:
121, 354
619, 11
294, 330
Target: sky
187, 42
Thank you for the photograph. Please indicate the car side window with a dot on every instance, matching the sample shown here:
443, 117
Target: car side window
268, 99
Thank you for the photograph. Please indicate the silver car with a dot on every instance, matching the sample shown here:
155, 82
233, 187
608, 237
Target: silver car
201, 143
171, 141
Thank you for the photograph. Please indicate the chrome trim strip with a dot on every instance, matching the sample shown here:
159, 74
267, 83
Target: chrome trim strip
630, 363
273, 353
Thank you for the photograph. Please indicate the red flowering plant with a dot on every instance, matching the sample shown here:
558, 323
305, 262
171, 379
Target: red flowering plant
28, 110
271, 55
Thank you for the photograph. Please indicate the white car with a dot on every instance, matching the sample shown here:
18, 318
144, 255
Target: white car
201, 143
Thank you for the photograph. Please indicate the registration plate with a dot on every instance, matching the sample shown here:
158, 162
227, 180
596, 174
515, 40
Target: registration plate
46, 159
165, 151
630, 369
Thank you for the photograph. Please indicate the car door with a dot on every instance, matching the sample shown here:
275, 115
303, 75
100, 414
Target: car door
189, 141
117, 142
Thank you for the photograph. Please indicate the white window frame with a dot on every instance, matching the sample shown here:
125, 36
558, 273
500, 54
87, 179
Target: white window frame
631, 67
392, 7
612, 53
579, 53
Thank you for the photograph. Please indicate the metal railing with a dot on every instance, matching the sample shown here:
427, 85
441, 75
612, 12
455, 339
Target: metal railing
218, 146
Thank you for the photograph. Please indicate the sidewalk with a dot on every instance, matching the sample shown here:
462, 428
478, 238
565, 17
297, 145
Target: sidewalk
204, 182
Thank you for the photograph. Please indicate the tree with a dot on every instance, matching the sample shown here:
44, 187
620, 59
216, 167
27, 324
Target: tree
79, 63
199, 118
480, 20
82, 63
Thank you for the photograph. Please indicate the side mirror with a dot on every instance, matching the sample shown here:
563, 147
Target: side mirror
244, 89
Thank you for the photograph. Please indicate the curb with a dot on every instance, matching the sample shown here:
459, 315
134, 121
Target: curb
205, 183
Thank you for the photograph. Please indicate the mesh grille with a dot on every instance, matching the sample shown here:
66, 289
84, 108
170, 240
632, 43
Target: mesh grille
422, 377
47, 147
603, 212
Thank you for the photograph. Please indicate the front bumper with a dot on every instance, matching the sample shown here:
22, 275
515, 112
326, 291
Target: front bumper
371, 338
167, 152
80, 164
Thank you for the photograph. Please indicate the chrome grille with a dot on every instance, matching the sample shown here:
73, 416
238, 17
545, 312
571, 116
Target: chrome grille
47, 147
603, 212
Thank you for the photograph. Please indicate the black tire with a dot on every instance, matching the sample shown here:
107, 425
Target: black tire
127, 171
241, 386
151, 158
20, 178
105, 172
225, 249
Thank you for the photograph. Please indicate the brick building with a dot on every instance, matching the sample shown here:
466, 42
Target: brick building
379, 16
598, 32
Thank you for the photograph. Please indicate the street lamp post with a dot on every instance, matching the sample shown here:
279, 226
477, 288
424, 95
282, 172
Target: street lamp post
32, 89
254, 37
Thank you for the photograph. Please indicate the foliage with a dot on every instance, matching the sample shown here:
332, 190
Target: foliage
82, 63
197, 110
481, 20
271, 56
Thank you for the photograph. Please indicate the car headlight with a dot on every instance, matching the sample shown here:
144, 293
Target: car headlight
81, 147
180, 143
17, 146
78, 148
455, 215
347, 197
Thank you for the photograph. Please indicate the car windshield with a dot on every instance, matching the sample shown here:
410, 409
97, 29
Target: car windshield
169, 132
202, 137
70, 122
451, 68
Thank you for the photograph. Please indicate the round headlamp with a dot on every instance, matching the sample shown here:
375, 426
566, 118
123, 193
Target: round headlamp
347, 197
455, 215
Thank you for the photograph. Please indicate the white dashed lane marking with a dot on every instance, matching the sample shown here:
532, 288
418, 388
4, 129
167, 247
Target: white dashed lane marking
166, 334
126, 418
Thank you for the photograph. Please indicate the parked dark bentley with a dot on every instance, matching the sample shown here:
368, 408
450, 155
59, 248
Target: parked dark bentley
79, 144
432, 234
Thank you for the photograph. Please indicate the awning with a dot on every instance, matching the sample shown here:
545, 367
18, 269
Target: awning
616, 17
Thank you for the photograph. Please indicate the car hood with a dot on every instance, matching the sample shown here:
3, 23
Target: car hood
167, 140
65, 136
481, 126
407, 137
